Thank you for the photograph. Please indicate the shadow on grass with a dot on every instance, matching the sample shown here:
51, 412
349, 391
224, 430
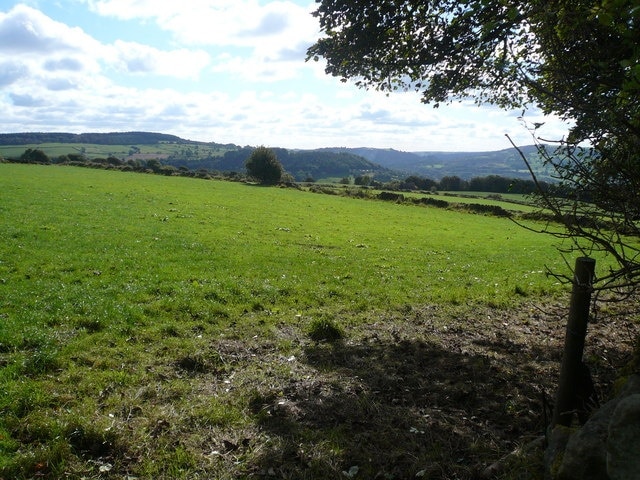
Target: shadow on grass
395, 409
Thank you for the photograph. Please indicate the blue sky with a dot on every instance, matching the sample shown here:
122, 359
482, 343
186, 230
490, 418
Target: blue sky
227, 71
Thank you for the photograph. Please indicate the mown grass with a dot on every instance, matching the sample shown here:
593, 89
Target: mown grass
150, 325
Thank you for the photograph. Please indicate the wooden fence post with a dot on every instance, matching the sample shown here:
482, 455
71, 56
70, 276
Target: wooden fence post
571, 372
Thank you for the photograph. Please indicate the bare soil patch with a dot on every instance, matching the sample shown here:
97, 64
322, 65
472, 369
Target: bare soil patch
430, 392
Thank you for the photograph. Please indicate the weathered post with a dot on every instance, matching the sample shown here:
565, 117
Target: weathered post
571, 370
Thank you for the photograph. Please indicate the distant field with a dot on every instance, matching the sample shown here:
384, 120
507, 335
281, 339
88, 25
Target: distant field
156, 327
509, 197
159, 151
510, 201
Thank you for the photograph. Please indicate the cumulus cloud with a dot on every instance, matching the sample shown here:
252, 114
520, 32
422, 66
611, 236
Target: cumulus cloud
134, 57
220, 22
272, 23
11, 72
62, 64
31, 34
276, 35
389, 116
25, 30
59, 84
25, 100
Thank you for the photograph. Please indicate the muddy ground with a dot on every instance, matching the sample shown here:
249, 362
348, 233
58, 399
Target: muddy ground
429, 392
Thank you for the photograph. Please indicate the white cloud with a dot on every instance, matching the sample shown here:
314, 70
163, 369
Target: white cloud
233, 71
137, 58
58, 84
218, 22
276, 34
11, 71
40, 55
26, 100
61, 64
25, 30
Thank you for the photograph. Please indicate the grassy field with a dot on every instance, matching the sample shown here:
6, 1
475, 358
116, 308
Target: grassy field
165, 327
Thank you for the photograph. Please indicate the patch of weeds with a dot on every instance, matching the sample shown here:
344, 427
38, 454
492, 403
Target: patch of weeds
217, 313
260, 404
7, 443
170, 330
325, 329
91, 325
45, 461
257, 307
38, 427
216, 414
200, 362
21, 398
213, 296
521, 291
34, 340
43, 360
177, 463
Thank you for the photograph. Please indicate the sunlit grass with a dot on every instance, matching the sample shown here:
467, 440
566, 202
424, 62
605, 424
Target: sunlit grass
126, 297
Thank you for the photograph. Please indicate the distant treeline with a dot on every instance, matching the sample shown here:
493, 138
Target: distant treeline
115, 138
489, 183
304, 163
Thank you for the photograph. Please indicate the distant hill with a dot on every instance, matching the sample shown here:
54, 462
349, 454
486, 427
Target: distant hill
114, 138
466, 165
383, 164
302, 164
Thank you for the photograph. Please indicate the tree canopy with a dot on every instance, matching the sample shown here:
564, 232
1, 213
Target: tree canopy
575, 58
578, 59
34, 155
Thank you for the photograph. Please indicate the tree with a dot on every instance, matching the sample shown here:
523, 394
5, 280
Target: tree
34, 155
363, 180
264, 166
579, 59
154, 165
452, 183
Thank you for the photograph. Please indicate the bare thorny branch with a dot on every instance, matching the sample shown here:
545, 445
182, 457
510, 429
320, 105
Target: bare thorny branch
589, 227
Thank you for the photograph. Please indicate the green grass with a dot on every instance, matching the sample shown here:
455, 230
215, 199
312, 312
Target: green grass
135, 307
237, 246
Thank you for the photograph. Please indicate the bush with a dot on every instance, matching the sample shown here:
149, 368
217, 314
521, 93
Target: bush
434, 202
34, 155
264, 166
496, 210
390, 196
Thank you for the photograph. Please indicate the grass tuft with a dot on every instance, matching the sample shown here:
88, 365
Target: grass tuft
324, 329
